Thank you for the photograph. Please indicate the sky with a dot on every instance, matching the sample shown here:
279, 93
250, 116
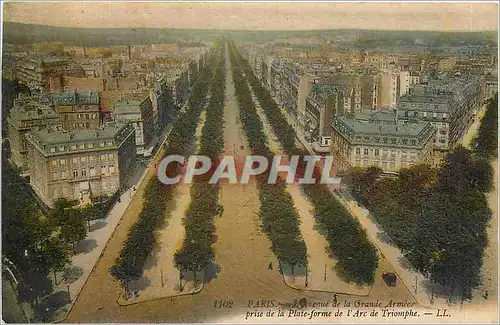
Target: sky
259, 16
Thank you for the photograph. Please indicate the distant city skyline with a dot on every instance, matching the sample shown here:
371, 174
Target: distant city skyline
431, 16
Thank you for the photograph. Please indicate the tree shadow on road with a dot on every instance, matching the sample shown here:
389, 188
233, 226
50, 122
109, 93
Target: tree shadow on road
404, 263
86, 246
98, 225
211, 272
298, 270
71, 274
153, 259
385, 238
47, 309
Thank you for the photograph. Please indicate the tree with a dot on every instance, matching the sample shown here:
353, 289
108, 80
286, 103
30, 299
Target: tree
57, 255
69, 220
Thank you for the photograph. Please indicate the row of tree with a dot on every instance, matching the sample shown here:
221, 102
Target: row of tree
486, 143
437, 216
280, 219
357, 259
37, 244
196, 251
141, 239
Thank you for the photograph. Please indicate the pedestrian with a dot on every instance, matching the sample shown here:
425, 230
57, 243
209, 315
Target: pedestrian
485, 296
270, 267
335, 299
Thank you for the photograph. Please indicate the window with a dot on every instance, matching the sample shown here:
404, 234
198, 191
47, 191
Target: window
61, 148
83, 159
53, 162
75, 173
365, 151
405, 141
111, 169
92, 171
376, 152
52, 149
54, 175
91, 158
103, 170
90, 145
84, 172
385, 140
62, 162
103, 157
101, 143
64, 174
413, 142
110, 143
75, 160
81, 146
393, 140
110, 156
415, 114
434, 115
358, 151
425, 114
73, 147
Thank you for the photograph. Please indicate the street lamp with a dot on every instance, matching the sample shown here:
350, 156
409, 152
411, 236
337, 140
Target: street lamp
69, 294
307, 282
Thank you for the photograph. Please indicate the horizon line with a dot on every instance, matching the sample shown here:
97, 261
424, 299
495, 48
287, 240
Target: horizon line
267, 30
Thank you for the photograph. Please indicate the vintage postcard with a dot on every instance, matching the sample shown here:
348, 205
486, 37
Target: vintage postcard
243, 162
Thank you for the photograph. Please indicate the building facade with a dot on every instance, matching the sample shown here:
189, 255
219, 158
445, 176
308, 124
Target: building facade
449, 104
379, 139
84, 163
24, 117
77, 110
140, 114
36, 72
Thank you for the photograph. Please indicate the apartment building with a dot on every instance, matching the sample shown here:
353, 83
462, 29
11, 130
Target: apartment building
36, 72
77, 110
407, 79
26, 116
85, 163
377, 138
322, 104
449, 103
139, 112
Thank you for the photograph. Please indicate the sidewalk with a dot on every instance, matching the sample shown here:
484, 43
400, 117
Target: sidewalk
90, 250
419, 286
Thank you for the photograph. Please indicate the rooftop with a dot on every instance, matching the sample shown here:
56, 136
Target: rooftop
75, 98
128, 106
359, 126
52, 136
31, 110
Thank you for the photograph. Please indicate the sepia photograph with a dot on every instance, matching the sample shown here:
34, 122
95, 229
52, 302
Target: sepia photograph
249, 162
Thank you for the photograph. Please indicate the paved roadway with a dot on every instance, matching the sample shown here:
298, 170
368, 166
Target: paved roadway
242, 253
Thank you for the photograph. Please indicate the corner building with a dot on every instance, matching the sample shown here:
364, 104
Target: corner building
91, 162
